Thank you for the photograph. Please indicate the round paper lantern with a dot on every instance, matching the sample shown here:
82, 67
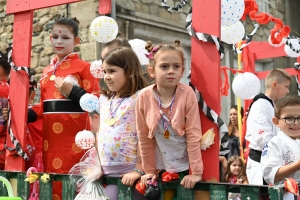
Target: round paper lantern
231, 11
104, 29
85, 139
246, 85
232, 34
89, 103
96, 69
275, 45
71, 79
292, 49
138, 47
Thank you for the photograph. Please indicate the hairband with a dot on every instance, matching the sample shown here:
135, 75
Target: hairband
154, 50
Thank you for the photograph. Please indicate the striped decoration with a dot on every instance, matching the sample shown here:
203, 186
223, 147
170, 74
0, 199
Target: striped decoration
176, 8
247, 38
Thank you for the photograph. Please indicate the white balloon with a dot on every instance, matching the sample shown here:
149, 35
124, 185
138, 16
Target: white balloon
85, 139
232, 34
138, 47
89, 103
104, 29
246, 85
96, 69
231, 11
293, 51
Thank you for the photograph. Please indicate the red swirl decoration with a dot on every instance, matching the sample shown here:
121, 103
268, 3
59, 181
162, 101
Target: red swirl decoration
168, 176
251, 9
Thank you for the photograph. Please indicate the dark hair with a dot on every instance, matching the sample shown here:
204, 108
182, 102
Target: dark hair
4, 63
119, 41
231, 128
126, 59
285, 101
228, 173
94, 112
71, 23
176, 46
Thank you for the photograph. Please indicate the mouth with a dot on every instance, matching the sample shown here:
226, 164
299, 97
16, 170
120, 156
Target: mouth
58, 48
170, 79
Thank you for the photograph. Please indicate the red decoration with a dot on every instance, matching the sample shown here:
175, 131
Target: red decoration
291, 186
225, 84
167, 176
251, 9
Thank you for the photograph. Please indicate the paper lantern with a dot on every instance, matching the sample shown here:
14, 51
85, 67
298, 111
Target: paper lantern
85, 139
71, 79
232, 34
246, 85
275, 45
231, 11
292, 48
104, 29
96, 69
138, 47
89, 103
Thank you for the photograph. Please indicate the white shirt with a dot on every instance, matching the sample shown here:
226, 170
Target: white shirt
260, 128
281, 150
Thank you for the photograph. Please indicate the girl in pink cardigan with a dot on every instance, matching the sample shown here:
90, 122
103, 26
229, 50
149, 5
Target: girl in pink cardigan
168, 120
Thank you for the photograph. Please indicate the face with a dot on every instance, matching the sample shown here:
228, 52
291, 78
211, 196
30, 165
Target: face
233, 116
282, 89
236, 167
63, 41
168, 69
114, 78
94, 122
289, 112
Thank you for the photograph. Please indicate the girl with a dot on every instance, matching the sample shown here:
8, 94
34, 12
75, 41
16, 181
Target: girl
233, 132
168, 120
117, 138
235, 172
62, 116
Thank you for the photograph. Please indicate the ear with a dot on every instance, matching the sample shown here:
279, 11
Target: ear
50, 37
96, 116
151, 72
275, 121
274, 84
182, 72
77, 40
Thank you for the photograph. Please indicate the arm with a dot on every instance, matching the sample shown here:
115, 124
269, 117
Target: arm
287, 170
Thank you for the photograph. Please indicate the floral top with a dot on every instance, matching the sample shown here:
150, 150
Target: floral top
117, 144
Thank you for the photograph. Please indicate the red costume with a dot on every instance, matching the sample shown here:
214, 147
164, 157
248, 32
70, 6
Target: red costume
4, 90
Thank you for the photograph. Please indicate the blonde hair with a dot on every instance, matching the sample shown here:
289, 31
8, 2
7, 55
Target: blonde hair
278, 75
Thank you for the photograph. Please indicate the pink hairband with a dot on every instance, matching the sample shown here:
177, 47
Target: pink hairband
154, 50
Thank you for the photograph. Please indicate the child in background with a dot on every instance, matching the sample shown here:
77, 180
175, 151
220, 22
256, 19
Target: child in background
280, 157
94, 121
117, 137
168, 120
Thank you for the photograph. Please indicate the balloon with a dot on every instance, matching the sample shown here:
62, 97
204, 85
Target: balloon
85, 139
246, 85
232, 34
89, 103
104, 29
231, 11
96, 69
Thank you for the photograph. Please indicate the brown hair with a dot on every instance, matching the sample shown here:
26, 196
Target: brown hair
231, 128
126, 59
176, 46
285, 101
119, 41
242, 174
278, 75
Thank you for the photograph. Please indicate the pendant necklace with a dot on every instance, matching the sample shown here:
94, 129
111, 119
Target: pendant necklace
112, 111
165, 119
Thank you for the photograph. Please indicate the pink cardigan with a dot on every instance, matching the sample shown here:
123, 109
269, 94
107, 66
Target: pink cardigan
185, 120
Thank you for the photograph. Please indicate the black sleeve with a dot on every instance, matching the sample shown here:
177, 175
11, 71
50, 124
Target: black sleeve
76, 93
31, 116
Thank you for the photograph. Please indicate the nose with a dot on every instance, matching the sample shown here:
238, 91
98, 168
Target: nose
171, 70
106, 76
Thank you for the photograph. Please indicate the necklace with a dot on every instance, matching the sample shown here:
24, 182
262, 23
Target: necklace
166, 121
52, 77
112, 111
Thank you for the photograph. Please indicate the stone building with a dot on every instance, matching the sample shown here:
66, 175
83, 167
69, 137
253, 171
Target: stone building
146, 20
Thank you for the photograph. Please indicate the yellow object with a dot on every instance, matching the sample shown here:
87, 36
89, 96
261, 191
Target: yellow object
45, 178
32, 177
207, 139
169, 194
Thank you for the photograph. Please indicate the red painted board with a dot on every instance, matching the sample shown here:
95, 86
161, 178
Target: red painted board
15, 6
263, 75
206, 75
263, 50
18, 91
104, 7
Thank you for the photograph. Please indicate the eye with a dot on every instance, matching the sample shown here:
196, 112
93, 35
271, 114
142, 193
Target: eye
66, 38
54, 36
289, 118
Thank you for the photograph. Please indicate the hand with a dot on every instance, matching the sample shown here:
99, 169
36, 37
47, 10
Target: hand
145, 178
189, 181
129, 178
5, 113
64, 87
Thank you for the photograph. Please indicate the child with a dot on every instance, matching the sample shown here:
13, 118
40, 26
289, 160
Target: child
4, 90
280, 157
94, 121
167, 115
235, 172
117, 138
260, 128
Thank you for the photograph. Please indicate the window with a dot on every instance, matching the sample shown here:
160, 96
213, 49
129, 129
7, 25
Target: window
263, 5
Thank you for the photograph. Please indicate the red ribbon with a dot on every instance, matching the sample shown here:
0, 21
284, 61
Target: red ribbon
251, 9
167, 176
140, 187
225, 84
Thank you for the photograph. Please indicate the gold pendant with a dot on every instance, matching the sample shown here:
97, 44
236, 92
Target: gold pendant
166, 134
52, 77
112, 122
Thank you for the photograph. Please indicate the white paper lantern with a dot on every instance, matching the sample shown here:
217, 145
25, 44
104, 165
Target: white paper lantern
71, 79
138, 47
231, 11
96, 69
246, 85
275, 45
104, 29
293, 50
232, 34
85, 139
89, 103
